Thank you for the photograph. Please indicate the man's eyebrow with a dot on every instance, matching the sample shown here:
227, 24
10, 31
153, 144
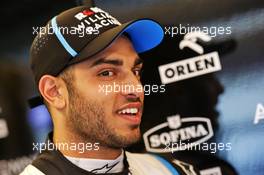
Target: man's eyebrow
100, 61
138, 61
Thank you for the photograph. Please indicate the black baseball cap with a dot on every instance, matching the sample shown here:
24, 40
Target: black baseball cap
81, 32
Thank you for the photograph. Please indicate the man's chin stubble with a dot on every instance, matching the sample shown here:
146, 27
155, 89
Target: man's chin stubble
87, 120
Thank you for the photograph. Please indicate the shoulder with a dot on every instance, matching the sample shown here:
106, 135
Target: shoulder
31, 170
149, 164
48, 162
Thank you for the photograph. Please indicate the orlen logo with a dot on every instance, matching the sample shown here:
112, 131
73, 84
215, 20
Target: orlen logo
191, 67
190, 131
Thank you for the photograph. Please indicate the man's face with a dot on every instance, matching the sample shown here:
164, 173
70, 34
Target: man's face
111, 118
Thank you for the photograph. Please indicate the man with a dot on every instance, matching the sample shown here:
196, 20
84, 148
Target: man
72, 70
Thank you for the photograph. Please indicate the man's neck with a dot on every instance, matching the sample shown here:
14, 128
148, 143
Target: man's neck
80, 148
99, 165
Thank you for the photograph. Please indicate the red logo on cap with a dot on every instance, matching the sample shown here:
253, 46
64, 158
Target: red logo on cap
88, 12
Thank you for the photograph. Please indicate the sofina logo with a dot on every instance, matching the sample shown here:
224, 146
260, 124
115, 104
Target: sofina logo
171, 135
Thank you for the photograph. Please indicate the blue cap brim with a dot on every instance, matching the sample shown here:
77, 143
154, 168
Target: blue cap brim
145, 34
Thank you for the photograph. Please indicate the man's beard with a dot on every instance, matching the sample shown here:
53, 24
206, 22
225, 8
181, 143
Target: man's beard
87, 119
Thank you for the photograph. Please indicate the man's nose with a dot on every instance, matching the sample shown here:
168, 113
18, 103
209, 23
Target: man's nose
132, 87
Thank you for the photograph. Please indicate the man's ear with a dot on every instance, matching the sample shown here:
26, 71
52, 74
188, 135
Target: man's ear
51, 89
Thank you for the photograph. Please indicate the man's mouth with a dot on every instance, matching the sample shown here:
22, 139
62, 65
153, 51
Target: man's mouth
131, 112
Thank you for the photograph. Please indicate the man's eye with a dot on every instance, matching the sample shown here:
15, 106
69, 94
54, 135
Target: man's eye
106, 73
138, 72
